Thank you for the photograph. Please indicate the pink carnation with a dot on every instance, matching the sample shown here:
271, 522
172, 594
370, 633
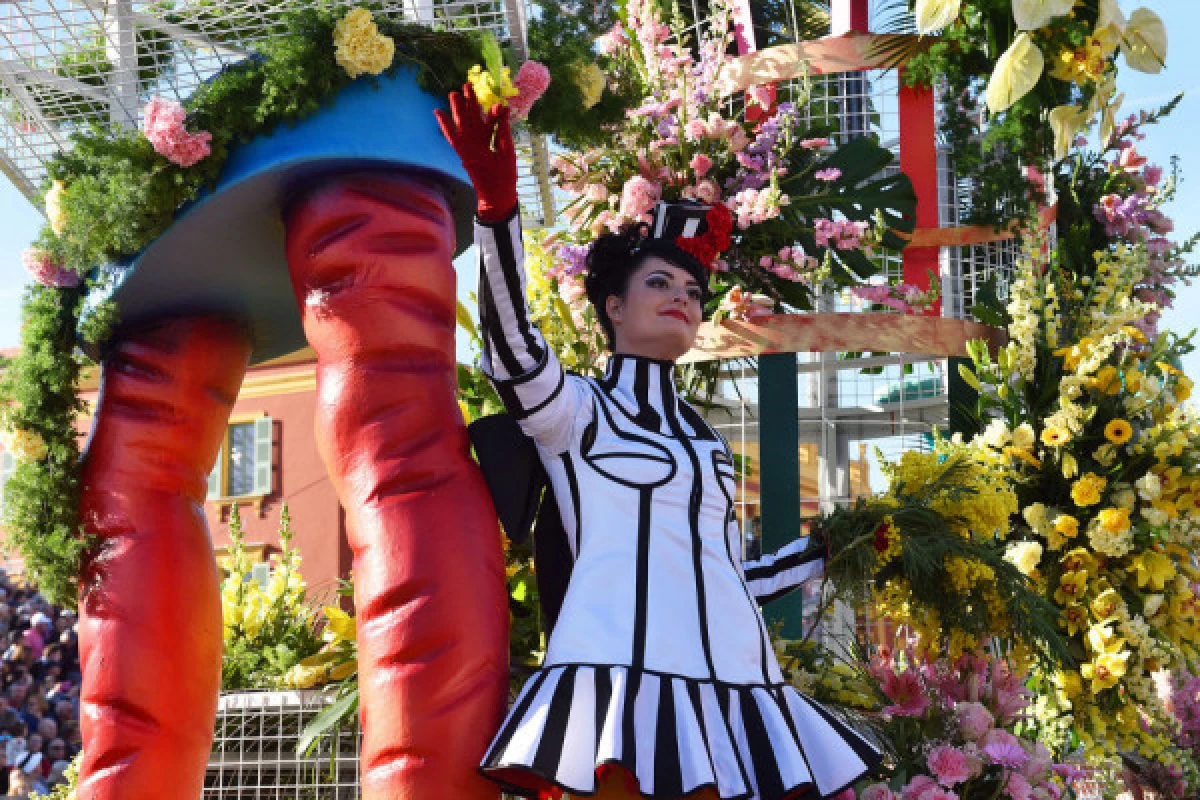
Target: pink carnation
974, 720
918, 786
1017, 787
162, 123
47, 271
531, 82
639, 196
948, 765
877, 791
701, 164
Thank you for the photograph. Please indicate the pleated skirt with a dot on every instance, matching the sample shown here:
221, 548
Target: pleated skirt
674, 735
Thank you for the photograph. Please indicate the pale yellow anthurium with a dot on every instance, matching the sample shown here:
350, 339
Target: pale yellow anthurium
933, 15
1016, 73
1145, 41
1067, 122
1033, 14
1110, 15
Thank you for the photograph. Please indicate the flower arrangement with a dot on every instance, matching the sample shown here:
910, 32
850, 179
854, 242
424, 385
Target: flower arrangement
268, 629
787, 190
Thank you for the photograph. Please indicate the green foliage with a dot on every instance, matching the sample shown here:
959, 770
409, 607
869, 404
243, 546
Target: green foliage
561, 36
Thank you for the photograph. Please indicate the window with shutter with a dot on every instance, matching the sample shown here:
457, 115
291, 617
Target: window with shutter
7, 465
245, 465
263, 455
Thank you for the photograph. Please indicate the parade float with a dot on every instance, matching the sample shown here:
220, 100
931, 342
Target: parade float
956, 232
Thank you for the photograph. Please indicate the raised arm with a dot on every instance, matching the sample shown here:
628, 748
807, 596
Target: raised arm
529, 378
774, 575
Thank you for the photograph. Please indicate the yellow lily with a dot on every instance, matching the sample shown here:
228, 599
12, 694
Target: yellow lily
1033, 14
933, 15
1015, 74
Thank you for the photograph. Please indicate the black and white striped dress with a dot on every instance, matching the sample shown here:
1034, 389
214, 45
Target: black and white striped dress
659, 660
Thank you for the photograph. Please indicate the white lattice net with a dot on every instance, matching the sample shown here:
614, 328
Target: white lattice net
66, 66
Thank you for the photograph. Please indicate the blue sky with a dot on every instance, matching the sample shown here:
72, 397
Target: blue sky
1179, 135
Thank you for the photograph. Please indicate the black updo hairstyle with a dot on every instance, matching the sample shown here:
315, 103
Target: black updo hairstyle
614, 257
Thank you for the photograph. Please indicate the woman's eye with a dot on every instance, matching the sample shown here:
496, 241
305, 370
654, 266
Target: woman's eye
695, 294
657, 283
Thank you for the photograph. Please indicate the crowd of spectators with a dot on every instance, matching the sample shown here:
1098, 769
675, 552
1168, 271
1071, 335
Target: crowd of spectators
39, 691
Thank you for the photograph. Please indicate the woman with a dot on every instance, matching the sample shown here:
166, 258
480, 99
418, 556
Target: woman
659, 678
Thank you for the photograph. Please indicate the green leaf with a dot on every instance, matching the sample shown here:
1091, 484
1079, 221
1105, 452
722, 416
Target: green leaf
330, 718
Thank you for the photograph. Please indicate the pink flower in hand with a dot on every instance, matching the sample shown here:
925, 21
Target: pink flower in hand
948, 765
162, 124
531, 82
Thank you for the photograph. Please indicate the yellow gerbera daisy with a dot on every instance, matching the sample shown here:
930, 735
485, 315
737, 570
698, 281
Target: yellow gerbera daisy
1055, 436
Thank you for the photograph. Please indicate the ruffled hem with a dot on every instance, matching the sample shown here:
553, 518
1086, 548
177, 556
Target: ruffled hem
674, 735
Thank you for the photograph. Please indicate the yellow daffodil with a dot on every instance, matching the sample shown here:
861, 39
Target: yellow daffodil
1067, 122
1033, 14
1144, 41
1152, 570
1055, 436
1087, 490
933, 15
1105, 671
1016, 72
1118, 431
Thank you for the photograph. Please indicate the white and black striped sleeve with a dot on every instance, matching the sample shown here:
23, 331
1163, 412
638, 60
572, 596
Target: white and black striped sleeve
773, 576
526, 373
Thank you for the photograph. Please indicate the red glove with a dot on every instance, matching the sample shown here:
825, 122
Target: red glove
492, 167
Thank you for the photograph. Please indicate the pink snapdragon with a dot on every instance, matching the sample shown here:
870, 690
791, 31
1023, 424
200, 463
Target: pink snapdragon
743, 306
531, 82
162, 124
47, 270
614, 41
841, 235
828, 175
815, 143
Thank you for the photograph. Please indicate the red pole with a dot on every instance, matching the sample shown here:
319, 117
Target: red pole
150, 600
371, 263
918, 160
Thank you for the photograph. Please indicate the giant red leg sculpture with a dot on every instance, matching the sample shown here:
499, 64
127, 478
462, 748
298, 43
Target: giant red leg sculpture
150, 604
371, 263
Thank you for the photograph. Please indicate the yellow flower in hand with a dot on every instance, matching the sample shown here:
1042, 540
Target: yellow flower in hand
491, 91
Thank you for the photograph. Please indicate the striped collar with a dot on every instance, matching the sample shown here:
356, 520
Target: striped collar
644, 385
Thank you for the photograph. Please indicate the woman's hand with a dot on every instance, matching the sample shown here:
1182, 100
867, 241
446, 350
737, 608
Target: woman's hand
485, 145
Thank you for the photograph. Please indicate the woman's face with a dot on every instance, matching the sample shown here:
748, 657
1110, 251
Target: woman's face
660, 313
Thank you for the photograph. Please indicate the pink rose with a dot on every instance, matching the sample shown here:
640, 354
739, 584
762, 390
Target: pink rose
877, 791
707, 191
701, 164
974, 720
948, 765
695, 129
